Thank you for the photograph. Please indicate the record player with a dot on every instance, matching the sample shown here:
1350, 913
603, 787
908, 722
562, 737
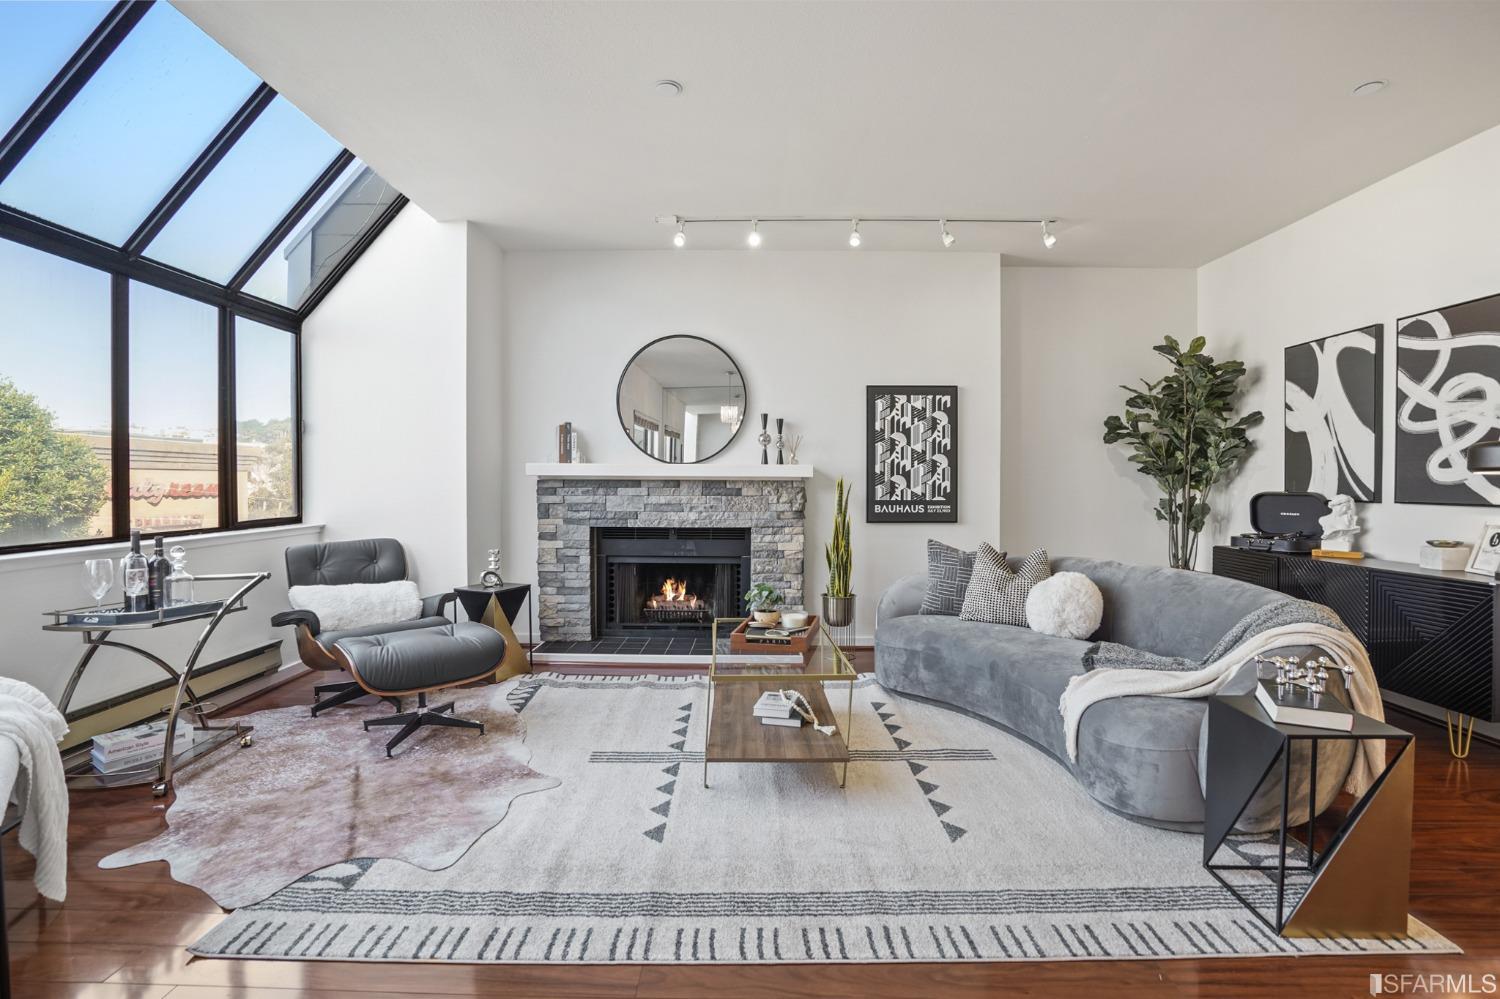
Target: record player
1287, 523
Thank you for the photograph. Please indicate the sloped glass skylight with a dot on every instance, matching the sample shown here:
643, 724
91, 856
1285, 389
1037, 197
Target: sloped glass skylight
153, 140
36, 38
131, 132
251, 189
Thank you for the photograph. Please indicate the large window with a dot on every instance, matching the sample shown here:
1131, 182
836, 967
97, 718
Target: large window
174, 412
265, 401
54, 399
167, 222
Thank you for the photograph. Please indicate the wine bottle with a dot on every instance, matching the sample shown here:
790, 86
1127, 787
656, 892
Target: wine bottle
157, 570
134, 576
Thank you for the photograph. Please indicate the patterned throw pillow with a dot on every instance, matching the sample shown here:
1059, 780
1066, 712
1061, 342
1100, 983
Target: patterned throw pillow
997, 592
948, 572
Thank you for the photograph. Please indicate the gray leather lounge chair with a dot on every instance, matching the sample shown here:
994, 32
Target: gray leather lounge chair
334, 563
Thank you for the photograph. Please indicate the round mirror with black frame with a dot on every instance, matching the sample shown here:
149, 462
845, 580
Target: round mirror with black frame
681, 399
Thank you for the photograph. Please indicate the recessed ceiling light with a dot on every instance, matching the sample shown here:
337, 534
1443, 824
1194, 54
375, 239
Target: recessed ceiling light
1370, 87
668, 88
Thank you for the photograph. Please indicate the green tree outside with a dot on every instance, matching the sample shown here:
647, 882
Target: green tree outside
51, 483
271, 491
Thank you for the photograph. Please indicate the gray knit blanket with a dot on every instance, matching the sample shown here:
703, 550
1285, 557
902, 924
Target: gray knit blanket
1112, 655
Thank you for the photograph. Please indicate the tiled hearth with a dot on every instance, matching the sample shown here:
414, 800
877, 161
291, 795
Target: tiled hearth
573, 502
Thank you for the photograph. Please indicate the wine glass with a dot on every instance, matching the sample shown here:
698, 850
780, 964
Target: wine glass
99, 574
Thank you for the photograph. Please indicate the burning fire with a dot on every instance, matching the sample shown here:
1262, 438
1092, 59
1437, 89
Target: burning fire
674, 596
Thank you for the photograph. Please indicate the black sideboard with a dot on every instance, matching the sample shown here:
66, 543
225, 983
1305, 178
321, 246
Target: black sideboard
1431, 634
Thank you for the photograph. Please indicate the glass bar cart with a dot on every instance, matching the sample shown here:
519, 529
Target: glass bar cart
97, 626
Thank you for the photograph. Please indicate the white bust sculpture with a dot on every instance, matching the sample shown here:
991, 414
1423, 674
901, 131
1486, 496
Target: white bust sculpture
1341, 525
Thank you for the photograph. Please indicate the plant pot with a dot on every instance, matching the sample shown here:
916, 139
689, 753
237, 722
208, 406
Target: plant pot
767, 619
838, 612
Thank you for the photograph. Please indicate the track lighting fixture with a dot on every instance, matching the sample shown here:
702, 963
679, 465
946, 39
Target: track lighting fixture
856, 237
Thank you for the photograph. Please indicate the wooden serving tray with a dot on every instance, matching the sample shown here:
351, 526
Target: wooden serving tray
800, 645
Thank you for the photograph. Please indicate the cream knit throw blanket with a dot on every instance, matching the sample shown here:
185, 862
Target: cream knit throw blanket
31, 727
1345, 650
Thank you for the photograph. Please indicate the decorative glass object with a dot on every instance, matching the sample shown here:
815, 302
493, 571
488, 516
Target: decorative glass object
179, 588
99, 576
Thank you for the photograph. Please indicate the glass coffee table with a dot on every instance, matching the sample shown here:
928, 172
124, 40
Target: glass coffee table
736, 679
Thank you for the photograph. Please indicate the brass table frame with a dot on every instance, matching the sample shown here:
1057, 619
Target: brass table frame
81, 773
779, 672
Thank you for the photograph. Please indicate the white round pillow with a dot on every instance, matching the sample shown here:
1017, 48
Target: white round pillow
1067, 605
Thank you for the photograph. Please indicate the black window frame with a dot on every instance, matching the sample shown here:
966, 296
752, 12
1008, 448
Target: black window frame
126, 263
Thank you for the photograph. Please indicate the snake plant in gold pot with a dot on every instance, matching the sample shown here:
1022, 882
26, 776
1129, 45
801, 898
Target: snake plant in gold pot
838, 602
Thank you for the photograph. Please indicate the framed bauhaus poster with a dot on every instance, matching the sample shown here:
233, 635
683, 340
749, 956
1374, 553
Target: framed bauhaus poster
912, 454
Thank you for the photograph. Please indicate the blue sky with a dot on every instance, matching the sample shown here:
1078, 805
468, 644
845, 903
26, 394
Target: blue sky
106, 161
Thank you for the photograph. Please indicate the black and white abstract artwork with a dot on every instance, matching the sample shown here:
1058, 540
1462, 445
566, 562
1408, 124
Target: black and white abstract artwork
1332, 415
1447, 399
912, 444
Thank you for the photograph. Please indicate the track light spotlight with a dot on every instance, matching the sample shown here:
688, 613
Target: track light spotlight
754, 238
679, 240
854, 232
948, 238
1048, 240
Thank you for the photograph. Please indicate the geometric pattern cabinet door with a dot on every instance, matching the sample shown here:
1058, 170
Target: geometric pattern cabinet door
1246, 566
1344, 588
1433, 639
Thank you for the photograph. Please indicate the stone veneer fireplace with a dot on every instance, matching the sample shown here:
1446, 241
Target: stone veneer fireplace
574, 510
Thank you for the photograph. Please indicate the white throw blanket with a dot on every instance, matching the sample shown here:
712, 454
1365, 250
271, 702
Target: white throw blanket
30, 727
1102, 684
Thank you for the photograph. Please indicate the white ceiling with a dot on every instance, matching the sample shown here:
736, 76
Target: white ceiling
1162, 134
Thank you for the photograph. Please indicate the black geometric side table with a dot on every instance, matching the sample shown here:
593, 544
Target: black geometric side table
1359, 884
498, 607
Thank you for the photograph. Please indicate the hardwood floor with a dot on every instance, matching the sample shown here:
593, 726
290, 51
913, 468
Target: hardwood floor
122, 933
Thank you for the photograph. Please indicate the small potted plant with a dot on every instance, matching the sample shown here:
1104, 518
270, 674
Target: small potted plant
763, 599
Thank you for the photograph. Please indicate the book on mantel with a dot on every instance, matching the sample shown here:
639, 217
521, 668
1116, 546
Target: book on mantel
1294, 704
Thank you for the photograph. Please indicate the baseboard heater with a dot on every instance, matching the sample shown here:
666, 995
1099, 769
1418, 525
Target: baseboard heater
147, 703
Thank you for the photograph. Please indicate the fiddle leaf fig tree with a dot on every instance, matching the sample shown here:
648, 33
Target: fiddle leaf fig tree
1182, 431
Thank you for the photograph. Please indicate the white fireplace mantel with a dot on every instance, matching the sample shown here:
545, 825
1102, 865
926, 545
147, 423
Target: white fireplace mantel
662, 470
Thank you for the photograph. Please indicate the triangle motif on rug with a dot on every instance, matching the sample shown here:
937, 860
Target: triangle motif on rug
672, 770
916, 767
953, 831
939, 807
657, 833
927, 786
664, 808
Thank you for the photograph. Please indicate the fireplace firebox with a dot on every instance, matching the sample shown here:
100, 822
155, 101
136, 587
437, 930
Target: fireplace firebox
667, 580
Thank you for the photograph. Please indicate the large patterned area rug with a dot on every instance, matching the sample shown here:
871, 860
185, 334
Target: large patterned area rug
953, 841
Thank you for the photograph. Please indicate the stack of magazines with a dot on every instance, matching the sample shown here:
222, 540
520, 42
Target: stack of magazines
774, 709
129, 748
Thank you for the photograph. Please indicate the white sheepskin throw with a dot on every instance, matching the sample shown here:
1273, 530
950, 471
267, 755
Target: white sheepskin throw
358, 605
1067, 605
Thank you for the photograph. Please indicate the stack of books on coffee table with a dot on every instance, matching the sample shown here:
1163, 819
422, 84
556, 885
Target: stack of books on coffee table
129, 748
774, 709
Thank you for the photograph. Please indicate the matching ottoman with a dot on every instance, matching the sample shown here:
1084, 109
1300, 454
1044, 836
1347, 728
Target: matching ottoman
419, 662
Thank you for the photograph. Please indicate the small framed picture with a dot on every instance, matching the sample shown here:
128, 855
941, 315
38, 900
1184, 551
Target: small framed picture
1486, 558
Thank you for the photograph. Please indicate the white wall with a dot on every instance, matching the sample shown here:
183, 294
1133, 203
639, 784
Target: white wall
41, 581
1420, 239
386, 386
485, 479
1072, 335
809, 330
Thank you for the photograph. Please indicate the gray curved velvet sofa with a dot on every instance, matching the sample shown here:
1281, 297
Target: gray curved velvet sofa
1140, 756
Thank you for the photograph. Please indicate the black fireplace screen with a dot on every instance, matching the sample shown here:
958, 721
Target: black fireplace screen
667, 579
